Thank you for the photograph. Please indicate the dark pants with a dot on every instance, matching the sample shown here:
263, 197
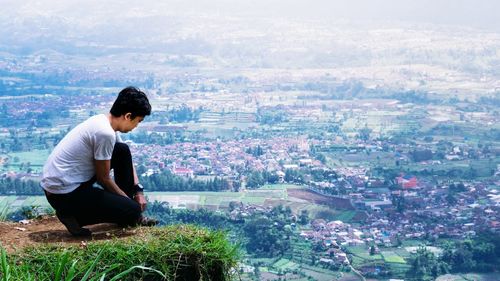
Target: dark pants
90, 205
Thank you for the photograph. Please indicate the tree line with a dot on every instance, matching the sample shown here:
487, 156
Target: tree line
167, 181
9, 186
303, 175
481, 254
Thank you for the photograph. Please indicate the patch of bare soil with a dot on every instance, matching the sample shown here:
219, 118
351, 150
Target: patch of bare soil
48, 229
313, 197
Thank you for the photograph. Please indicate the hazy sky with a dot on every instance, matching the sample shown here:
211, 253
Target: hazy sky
473, 13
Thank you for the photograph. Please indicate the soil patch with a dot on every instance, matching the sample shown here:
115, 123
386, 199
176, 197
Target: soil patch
330, 201
48, 229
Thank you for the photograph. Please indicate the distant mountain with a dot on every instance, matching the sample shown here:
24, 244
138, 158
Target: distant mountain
108, 34
255, 42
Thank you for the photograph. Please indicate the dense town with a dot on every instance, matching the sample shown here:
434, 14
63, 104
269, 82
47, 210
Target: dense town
413, 206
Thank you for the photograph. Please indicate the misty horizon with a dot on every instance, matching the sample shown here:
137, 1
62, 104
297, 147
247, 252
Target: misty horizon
464, 13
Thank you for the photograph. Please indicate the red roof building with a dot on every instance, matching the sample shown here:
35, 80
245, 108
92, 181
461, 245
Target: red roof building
407, 181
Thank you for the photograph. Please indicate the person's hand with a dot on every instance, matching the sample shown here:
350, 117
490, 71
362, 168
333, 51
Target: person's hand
139, 198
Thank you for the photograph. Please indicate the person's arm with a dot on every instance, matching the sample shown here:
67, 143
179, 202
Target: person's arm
102, 168
139, 196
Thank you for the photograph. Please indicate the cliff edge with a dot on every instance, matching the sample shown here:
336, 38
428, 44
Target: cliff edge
42, 249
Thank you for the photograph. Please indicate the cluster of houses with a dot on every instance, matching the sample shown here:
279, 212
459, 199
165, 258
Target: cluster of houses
230, 159
387, 227
428, 215
424, 201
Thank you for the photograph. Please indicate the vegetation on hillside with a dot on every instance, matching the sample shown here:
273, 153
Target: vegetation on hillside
481, 254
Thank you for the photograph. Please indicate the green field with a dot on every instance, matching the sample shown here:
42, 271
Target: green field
221, 199
285, 264
397, 264
434, 250
344, 158
345, 216
398, 269
271, 195
401, 252
320, 274
36, 159
392, 257
361, 254
279, 186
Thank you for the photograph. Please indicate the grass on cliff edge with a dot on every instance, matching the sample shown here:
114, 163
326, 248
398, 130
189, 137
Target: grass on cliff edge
177, 252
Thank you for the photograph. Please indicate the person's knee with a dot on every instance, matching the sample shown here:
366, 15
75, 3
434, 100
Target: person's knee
121, 155
121, 148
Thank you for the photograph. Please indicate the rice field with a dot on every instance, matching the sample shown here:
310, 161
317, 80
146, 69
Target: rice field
285, 264
392, 257
36, 158
320, 274
363, 253
279, 186
270, 195
434, 250
220, 199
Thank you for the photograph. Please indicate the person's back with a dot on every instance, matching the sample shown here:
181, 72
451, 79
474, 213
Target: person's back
72, 160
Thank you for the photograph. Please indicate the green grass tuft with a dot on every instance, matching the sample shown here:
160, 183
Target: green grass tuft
168, 253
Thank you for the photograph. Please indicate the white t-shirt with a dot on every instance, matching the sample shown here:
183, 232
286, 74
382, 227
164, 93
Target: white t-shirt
72, 160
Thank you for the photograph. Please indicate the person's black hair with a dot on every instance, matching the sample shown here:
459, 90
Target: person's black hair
131, 100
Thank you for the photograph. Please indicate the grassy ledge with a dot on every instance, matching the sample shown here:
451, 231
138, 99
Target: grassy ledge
178, 252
